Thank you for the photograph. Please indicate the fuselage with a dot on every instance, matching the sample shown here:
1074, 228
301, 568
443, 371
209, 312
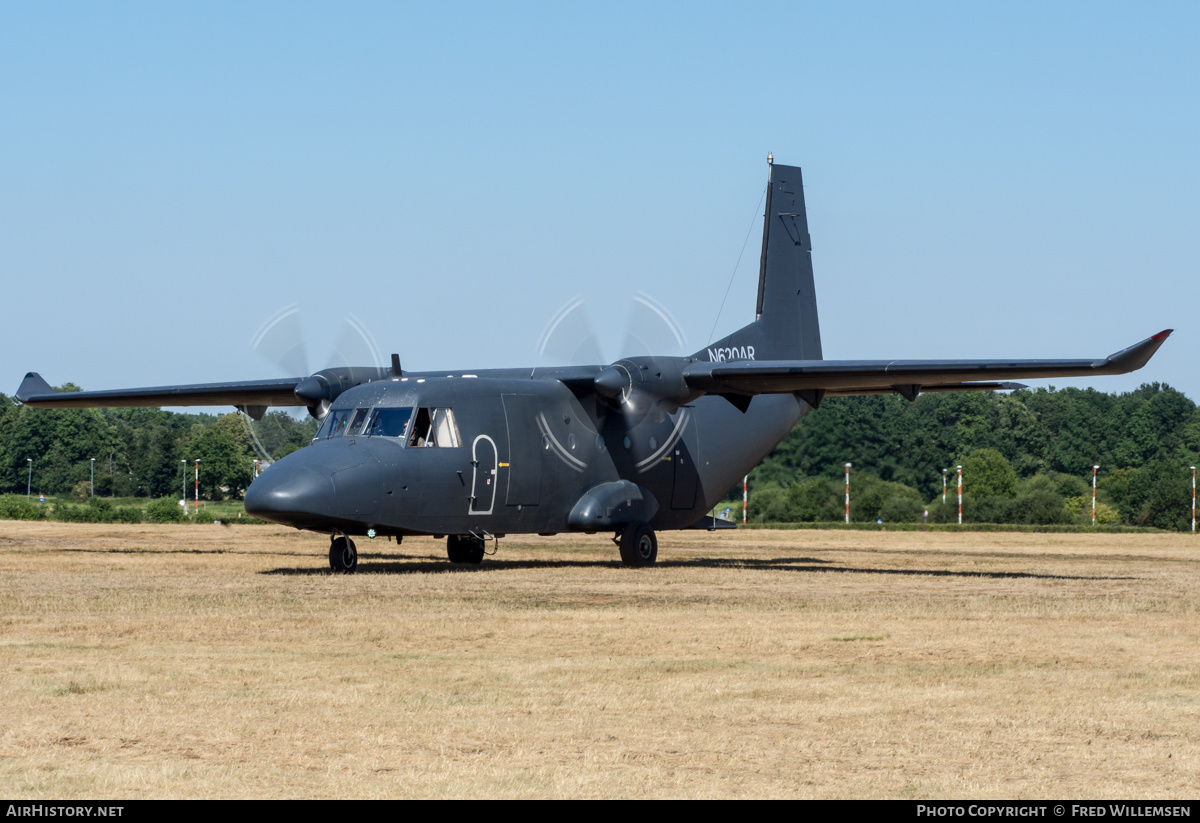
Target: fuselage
507, 452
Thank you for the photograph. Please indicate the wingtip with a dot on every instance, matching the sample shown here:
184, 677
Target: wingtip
1134, 357
33, 385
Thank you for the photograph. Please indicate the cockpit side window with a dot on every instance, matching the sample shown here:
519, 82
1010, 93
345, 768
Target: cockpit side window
323, 432
389, 422
420, 431
434, 428
335, 424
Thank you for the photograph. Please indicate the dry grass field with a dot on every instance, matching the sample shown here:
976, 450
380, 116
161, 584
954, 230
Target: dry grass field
210, 661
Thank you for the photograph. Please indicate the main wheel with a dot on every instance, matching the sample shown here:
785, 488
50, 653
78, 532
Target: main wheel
639, 546
343, 556
464, 549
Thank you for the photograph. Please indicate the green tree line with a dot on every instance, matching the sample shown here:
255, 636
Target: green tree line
1027, 458
138, 452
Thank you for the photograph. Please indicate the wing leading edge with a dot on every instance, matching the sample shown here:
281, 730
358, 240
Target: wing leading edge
905, 377
314, 392
36, 392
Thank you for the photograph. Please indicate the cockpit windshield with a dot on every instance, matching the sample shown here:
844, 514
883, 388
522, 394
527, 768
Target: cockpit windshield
356, 421
389, 422
437, 428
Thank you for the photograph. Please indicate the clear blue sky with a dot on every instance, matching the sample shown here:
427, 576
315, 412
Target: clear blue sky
983, 180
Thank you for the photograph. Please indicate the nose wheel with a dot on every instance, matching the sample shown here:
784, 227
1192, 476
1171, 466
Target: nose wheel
343, 556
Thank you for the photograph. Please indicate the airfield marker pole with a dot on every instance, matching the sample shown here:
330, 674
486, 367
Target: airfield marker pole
944, 486
197, 486
1094, 470
960, 495
847, 493
745, 497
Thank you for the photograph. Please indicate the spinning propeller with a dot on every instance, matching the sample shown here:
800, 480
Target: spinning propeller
645, 377
281, 341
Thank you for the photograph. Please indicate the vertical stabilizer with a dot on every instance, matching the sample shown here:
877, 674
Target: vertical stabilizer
787, 297
785, 326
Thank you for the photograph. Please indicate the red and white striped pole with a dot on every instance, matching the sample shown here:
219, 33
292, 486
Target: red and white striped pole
745, 497
944, 486
1094, 470
197, 485
960, 495
1193, 499
847, 493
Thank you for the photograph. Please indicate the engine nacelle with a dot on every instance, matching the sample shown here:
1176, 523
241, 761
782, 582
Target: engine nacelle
639, 386
319, 390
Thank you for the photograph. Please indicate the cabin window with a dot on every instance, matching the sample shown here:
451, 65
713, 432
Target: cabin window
445, 428
434, 428
388, 422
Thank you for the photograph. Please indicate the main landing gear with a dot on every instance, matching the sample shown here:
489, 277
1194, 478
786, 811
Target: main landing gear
638, 545
466, 548
343, 556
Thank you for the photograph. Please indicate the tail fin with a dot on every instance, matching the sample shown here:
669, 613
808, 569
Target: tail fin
785, 327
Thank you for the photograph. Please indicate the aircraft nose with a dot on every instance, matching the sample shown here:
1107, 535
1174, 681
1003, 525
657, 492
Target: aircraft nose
290, 496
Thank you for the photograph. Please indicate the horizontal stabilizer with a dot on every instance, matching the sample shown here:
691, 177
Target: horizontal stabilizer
907, 377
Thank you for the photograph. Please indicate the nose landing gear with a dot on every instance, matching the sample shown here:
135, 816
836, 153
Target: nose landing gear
343, 556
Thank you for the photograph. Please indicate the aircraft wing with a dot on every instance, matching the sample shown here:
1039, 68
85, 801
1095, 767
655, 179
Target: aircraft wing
36, 392
906, 377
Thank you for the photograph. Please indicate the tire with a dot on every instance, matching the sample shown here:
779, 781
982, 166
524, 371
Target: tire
639, 546
464, 549
343, 556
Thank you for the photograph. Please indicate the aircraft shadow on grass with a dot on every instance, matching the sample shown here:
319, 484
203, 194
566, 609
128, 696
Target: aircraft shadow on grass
428, 564
177, 551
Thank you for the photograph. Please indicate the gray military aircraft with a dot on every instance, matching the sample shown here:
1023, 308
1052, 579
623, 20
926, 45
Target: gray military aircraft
632, 447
